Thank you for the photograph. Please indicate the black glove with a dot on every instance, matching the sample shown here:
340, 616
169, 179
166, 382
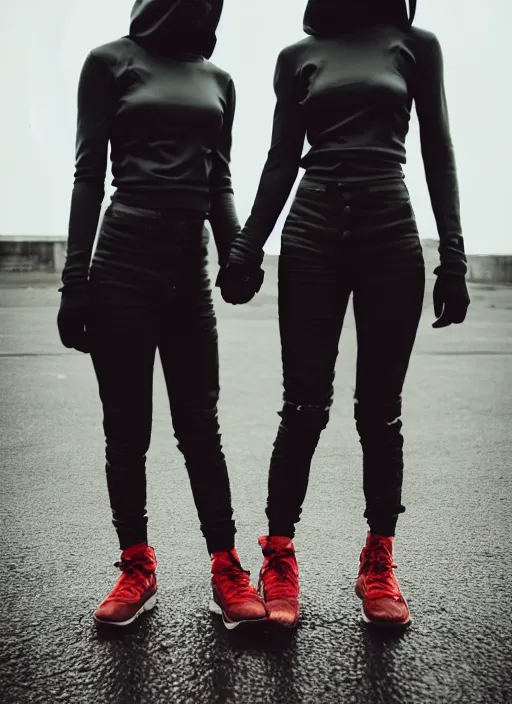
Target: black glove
242, 276
239, 283
72, 317
451, 299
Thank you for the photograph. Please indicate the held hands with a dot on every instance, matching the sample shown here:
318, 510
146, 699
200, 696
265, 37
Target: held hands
239, 284
451, 299
241, 278
72, 318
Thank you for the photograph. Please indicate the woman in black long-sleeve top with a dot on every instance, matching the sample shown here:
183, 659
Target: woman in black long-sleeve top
350, 87
167, 113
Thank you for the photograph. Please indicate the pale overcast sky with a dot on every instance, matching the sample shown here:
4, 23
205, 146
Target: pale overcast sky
44, 43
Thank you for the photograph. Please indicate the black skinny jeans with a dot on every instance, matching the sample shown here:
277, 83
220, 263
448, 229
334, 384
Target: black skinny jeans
338, 240
150, 290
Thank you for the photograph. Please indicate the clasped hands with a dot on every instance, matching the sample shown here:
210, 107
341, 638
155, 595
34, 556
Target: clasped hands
241, 277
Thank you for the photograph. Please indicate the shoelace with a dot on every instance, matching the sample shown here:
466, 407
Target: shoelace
279, 577
380, 578
130, 580
235, 582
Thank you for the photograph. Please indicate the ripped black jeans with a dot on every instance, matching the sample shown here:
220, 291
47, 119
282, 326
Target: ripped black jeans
340, 240
150, 290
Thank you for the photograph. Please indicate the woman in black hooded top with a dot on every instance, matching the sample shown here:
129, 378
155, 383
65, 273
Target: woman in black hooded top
350, 87
167, 113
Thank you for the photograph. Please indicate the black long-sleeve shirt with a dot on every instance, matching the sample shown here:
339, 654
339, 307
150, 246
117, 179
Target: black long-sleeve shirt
169, 124
352, 96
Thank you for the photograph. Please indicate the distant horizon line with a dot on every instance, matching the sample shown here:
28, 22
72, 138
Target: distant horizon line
429, 241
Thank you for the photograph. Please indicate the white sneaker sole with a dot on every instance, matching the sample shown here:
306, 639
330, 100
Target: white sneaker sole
147, 606
231, 625
384, 624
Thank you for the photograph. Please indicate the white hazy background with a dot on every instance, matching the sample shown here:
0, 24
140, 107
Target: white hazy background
44, 43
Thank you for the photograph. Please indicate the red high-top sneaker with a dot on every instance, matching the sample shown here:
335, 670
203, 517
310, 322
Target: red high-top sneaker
377, 586
234, 597
279, 580
135, 590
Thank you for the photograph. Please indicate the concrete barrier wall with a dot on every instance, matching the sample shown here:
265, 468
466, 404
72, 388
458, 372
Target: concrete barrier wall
490, 268
32, 254
47, 254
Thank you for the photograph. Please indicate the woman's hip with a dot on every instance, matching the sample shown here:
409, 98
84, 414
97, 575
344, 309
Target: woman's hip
148, 245
331, 222
351, 211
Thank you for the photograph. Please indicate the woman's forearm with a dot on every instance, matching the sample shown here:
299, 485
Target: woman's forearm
283, 161
96, 103
438, 155
224, 223
275, 185
86, 201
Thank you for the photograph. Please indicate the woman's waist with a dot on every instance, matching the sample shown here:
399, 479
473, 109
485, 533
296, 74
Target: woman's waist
130, 232
163, 204
352, 167
389, 186
354, 208
152, 210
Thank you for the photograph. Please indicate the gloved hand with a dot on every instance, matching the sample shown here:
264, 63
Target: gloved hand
239, 283
451, 299
242, 276
72, 317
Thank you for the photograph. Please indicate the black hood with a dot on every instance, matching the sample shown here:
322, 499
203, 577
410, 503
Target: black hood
177, 27
330, 17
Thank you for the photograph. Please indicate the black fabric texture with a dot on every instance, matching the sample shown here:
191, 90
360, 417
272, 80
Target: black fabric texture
166, 113
341, 240
150, 291
352, 95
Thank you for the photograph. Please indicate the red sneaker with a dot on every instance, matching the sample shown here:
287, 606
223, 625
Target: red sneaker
135, 590
377, 586
279, 580
234, 597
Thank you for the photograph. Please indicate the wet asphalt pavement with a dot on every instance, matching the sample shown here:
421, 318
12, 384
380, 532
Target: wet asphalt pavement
452, 546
